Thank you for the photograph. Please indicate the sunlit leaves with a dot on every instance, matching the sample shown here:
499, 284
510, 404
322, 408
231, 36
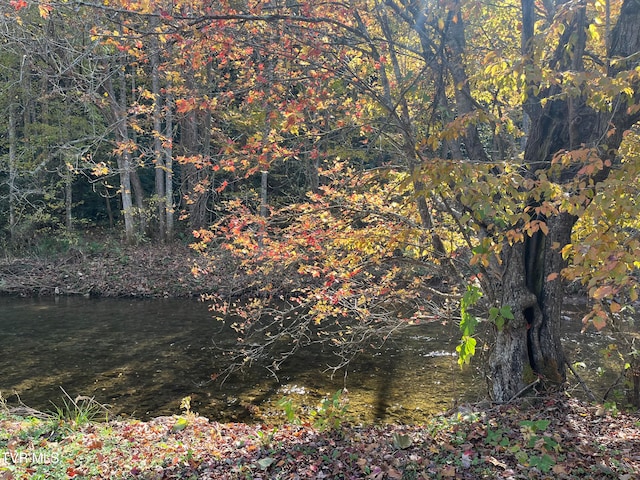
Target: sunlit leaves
44, 8
468, 322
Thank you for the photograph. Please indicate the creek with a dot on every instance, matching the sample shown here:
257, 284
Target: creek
141, 357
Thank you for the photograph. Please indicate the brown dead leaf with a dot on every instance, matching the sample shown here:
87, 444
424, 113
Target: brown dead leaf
559, 469
448, 471
394, 474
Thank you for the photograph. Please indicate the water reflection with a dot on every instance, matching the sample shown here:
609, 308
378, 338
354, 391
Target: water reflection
143, 356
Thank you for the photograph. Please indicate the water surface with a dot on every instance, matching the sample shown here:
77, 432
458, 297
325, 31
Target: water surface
141, 357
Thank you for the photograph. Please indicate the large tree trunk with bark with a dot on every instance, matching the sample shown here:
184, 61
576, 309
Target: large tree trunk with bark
528, 348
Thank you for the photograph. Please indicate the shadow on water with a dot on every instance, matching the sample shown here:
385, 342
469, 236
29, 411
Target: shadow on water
143, 356
385, 387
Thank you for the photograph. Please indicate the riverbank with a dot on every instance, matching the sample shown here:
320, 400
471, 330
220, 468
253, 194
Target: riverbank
554, 437
109, 269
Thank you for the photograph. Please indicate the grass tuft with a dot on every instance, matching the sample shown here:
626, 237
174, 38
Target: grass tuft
80, 410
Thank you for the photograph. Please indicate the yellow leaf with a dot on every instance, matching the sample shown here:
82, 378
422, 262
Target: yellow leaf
180, 425
615, 307
45, 10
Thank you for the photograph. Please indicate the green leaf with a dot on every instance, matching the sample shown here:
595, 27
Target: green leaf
265, 463
180, 425
466, 349
468, 321
506, 312
401, 442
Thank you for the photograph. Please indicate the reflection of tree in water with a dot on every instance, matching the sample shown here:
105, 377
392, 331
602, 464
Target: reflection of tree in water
383, 392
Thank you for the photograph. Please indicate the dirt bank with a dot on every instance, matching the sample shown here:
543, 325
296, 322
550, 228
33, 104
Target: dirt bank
109, 271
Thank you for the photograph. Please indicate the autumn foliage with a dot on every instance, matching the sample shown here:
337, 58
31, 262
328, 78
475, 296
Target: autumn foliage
366, 163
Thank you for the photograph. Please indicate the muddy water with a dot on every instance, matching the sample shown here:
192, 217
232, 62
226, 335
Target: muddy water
141, 357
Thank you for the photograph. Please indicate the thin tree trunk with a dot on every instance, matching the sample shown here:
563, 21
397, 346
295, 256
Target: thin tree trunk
168, 165
462, 89
123, 159
263, 194
139, 196
68, 199
107, 200
193, 176
13, 172
158, 149
138, 191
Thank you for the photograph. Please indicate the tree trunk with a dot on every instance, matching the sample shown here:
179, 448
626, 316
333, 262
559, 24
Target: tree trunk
68, 198
13, 172
168, 165
118, 117
528, 348
158, 150
138, 195
194, 176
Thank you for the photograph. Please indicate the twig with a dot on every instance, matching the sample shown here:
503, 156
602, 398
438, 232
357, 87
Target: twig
620, 377
527, 387
25, 411
584, 386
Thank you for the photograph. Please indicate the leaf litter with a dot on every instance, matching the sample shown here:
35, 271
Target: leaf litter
550, 438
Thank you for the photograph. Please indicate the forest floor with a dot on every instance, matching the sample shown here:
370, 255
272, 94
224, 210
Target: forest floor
109, 269
554, 437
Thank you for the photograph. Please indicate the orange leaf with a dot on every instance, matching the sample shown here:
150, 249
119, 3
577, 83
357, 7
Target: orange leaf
552, 276
544, 228
45, 9
604, 291
599, 322
222, 186
18, 4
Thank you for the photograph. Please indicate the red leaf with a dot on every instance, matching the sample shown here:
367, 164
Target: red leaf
222, 187
18, 4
